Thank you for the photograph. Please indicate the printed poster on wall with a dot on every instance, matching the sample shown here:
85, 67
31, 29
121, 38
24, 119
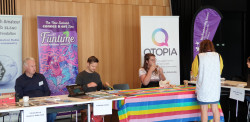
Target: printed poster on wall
57, 45
160, 36
10, 51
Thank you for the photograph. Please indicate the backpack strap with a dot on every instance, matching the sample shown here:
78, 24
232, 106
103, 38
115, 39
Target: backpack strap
219, 56
198, 59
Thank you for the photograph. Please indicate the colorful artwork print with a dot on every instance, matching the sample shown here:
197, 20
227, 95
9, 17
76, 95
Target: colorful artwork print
58, 59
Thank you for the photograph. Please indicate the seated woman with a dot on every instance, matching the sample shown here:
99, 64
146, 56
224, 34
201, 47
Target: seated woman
150, 74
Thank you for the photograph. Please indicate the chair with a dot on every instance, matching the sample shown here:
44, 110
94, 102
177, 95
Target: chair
121, 86
4, 114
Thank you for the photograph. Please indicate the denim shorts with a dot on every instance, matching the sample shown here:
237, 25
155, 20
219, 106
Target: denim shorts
205, 103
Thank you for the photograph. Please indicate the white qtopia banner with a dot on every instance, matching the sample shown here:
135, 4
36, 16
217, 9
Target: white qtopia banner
10, 51
160, 36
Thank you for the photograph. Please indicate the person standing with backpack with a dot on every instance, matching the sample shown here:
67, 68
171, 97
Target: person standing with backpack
207, 66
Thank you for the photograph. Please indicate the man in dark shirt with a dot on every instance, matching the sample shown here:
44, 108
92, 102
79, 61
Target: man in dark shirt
88, 78
30, 83
33, 84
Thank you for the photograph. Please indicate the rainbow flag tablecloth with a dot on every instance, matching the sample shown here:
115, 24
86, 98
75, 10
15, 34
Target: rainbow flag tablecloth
158, 104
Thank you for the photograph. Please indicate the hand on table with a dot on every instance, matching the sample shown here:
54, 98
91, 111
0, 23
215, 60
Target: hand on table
92, 84
108, 85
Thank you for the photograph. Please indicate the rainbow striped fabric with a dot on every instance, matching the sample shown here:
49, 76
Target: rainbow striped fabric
159, 104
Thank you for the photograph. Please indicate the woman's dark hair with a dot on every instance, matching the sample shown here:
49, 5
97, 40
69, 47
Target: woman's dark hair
206, 46
92, 59
248, 59
146, 58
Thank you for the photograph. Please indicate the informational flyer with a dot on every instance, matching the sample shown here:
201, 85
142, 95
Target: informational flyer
35, 114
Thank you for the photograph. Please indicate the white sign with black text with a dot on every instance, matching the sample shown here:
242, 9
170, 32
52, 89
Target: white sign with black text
160, 36
10, 51
35, 114
237, 94
103, 107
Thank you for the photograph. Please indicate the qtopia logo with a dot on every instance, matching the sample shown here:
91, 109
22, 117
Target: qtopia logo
162, 50
165, 34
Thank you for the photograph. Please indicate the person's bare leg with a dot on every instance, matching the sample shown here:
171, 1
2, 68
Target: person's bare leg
216, 112
204, 116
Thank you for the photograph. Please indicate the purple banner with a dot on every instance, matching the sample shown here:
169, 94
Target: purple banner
205, 26
58, 59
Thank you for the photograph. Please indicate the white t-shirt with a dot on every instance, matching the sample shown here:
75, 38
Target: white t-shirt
154, 76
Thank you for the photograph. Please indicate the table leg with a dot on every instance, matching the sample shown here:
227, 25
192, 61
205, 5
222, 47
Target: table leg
237, 108
76, 116
89, 113
22, 116
247, 112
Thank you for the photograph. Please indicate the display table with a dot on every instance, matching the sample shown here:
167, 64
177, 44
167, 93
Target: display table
160, 104
54, 101
225, 91
228, 84
49, 101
